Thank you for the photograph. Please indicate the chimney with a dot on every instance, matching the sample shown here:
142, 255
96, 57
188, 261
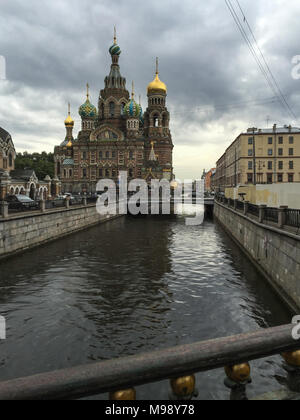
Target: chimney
290, 128
274, 127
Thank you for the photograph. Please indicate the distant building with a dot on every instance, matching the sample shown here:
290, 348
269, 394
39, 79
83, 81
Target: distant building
117, 136
261, 156
208, 179
15, 181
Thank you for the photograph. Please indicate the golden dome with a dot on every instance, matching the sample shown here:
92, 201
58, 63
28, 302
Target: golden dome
157, 84
69, 122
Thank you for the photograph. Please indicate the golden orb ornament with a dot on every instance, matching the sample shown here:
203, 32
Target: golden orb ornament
183, 387
292, 358
125, 395
238, 373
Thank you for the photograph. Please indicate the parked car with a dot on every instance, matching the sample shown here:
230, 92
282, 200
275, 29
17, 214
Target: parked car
21, 202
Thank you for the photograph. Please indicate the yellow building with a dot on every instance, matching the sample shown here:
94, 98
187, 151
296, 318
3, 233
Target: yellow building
262, 156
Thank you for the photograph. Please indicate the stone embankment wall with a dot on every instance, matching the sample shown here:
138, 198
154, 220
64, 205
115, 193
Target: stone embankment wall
275, 252
20, 232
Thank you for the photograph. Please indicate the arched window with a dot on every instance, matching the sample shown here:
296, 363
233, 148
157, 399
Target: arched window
102, 110
165, 121
10, 158
111, 109
122, 108
156, 121
70, 173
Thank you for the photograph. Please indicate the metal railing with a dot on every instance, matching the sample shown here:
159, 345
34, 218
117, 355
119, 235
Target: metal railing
271, 215
280, 216
292, 218
233, 353
253, 209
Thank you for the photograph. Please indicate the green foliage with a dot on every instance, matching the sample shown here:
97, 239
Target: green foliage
41, 163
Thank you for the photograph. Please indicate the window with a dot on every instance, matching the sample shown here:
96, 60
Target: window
65, 173
100, 173
84, 173
270, 152
130, 155
280, 152
113, 155
111, 109
100, 155
250, 152
84, 155
250, 140
291, 164
291, 140
280, 177
107, 155
270, 178
270, 166
280, 165
280, 140
70, 173
250, 165
291, 152
270, 140
291, 177
122, 108
107, 173
114, 173
10, 160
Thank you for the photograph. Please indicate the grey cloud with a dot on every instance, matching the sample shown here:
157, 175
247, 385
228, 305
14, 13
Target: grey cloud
54, 48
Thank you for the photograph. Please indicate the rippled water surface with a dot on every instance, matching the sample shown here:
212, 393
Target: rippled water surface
130, 286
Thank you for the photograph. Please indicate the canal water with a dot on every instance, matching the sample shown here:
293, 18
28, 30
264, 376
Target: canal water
132, 286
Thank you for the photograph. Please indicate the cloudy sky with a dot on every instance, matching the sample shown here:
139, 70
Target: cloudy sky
215, 87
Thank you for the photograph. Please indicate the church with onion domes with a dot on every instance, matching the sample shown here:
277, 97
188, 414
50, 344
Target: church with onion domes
117, 136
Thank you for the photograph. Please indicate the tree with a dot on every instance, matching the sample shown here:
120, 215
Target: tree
41, 163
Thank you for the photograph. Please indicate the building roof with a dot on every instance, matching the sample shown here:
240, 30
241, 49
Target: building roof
22, 174
279, 130
4, 135
68, 162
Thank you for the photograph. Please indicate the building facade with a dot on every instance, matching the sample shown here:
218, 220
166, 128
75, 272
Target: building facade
117, 136
261, 156
14, 181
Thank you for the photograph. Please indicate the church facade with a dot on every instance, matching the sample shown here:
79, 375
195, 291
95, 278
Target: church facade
15, 181
117, 136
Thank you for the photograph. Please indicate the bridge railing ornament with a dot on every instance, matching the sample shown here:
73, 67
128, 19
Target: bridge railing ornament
120, 377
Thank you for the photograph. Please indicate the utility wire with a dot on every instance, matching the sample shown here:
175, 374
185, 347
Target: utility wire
263, 57
255, 56
254, 102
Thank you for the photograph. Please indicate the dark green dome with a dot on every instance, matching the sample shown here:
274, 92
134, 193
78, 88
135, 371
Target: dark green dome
88, 110
115, 50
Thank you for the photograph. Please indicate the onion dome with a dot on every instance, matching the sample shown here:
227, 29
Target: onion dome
115, 49
157, 84
69, 122
133, 109
88, 110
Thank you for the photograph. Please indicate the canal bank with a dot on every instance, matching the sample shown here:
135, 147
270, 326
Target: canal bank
20, 232
275, 252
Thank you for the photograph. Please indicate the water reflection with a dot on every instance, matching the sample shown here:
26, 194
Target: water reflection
130, 286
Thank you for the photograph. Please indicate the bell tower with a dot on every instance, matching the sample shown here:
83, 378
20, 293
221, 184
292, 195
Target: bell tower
156, 125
